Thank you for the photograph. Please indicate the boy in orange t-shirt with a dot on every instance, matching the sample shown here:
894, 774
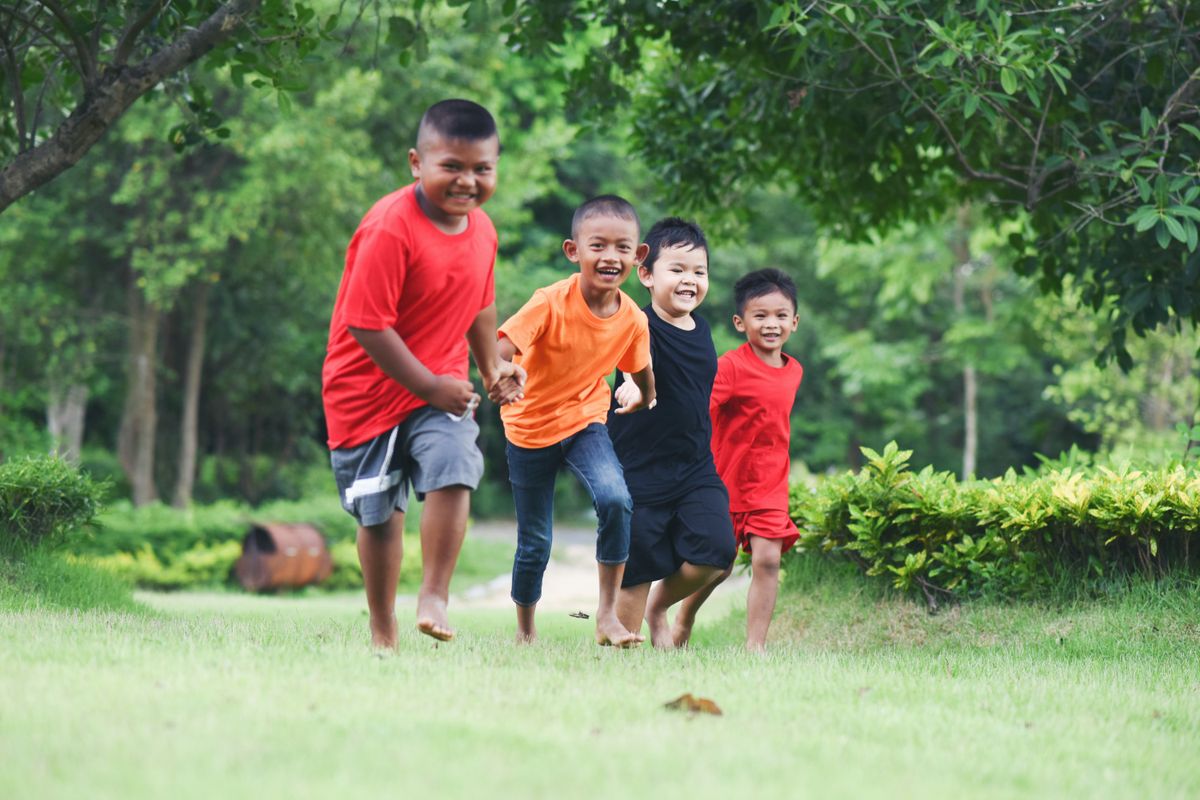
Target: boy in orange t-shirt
568, 338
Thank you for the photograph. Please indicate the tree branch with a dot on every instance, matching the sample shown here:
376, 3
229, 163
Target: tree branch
132, 30
47, 34
14, 86
87, 64
113, 94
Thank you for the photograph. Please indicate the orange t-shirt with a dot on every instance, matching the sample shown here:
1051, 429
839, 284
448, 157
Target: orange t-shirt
568, 352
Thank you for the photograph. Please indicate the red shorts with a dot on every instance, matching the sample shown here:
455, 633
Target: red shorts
767, 523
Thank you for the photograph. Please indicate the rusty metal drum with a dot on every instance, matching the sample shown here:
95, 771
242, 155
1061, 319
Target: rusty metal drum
280, 555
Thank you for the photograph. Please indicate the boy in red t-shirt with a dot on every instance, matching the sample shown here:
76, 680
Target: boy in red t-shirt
569, 337
417, 290
751, 407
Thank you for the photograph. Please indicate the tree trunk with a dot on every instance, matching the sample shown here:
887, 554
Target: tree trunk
185, 478
962, 268
65, 409
136, 440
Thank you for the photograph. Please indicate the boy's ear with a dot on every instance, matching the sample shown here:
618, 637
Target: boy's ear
571, 250
643, 250
739, 324
645, 275
414, 162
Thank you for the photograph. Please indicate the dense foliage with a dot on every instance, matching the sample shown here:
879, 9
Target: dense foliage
1079, 120
1018, 535
43, 499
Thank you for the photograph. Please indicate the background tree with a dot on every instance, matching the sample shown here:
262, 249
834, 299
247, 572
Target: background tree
1077, 119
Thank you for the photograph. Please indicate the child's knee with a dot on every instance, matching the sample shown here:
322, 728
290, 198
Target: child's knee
614, 500
765, 561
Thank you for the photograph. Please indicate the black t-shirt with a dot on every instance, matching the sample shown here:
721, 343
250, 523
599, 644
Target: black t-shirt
667, 451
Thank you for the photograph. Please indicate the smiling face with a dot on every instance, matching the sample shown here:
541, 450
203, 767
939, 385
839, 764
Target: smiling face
455, 176
678, 282
605, 248
767, 320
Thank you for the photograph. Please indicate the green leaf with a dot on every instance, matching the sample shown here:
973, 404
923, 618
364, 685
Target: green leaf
1143, 187
1190, 228
1144, 218
1175, 228
1192, 129
970, 105
1148, 121
1008, 80
1163, 236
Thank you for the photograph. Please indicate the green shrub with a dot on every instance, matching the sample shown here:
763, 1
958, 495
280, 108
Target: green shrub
43, 498
1012, 536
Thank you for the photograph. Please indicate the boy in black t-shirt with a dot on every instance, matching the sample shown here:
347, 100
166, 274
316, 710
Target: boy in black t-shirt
680, 534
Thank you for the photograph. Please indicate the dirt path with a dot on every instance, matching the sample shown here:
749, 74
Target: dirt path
570, 580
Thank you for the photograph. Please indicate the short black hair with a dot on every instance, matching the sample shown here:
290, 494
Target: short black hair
673, 232
762, 282
606, 205
458, 119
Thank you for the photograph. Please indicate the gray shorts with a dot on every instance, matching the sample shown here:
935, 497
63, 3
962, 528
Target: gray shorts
427, 451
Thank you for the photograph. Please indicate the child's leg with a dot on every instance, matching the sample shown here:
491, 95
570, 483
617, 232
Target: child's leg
380, 550
689, 579
590, 456
631, 605
764, 587
531, 471
685, 616
609, 630
443, 527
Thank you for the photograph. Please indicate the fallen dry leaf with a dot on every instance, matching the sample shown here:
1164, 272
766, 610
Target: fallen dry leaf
693, 705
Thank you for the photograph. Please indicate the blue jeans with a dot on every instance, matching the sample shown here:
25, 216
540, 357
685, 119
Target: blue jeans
589, 454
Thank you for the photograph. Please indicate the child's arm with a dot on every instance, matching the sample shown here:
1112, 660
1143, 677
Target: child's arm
389, 351
503, 380
644, 381
628, 393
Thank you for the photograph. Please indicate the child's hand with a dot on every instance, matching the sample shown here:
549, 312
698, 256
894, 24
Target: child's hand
451, 395
629, 398
509, 384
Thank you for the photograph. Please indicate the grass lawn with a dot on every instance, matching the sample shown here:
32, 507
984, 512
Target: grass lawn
863, 696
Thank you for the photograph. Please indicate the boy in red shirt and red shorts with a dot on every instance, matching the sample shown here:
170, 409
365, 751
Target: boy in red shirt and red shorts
416, 291
751, 408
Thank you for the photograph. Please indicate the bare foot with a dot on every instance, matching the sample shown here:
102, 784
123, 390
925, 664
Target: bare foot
526, 637
660, 629
383, 633
758, 648
610, 632
681, 632
431, 618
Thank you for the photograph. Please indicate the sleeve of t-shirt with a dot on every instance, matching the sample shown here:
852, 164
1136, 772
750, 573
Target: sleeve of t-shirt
722, 386
637, 356
489, 286
525, 327
375, 280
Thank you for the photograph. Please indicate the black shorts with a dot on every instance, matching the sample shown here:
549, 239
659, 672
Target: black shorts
695, 528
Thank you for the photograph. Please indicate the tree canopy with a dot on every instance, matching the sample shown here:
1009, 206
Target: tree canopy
1078, 119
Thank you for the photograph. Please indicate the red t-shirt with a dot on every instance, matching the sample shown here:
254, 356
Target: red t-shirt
751, 408
402, 273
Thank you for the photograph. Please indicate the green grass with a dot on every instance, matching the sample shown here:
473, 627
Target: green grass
863, 696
